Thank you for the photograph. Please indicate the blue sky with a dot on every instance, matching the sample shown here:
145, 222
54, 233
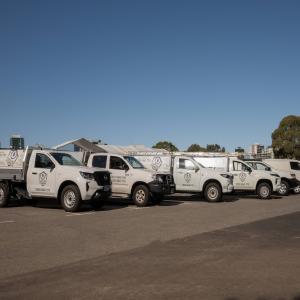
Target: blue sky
136, 72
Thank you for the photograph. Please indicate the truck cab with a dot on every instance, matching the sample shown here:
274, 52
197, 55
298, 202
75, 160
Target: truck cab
289, 182
130, 178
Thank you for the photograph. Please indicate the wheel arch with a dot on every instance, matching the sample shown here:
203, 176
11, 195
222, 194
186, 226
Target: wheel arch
138, 183
212, 181
63, 185
268, 181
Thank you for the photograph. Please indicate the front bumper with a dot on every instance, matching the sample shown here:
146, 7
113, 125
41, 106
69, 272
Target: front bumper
277, 185
93, 190
161, 188
227, 188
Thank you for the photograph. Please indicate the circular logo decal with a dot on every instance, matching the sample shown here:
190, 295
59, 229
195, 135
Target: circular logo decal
242, 176
156, 163
12, 157
187, 177
43, 178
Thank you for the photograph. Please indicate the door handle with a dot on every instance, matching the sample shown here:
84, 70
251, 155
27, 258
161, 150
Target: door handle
235, 174
34, 173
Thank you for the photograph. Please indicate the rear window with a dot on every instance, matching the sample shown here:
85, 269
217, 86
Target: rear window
99, 161
295, 165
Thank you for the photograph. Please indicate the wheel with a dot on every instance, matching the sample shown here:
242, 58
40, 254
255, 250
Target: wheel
141, 196
264, 190
4, 194
70, 198
284, 189
297, 189
157, 199
213, 192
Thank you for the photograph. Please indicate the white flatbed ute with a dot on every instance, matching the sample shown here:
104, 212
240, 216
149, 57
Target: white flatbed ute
47, 173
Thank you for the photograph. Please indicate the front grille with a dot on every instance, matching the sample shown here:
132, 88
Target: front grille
168, 179
102, 178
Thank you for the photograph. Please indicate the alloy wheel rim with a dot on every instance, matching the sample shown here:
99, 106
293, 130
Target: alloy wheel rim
213, 193
283, 189
140, 196
264, 191
70, 199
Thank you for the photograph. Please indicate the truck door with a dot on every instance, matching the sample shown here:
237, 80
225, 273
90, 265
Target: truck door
186, 175
120, 175
243, 179
41, 176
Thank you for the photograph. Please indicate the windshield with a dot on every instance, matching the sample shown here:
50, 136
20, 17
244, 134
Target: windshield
65, 159
134, 162
197, 163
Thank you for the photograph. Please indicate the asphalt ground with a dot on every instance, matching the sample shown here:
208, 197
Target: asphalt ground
242, 248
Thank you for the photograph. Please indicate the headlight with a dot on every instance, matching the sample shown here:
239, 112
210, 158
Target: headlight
293, 175
228, 176
87, 176
274, 174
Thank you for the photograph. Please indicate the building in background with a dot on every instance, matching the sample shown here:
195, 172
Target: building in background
258, 151
16, 142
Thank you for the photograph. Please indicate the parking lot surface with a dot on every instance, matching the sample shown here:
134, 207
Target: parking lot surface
242, 248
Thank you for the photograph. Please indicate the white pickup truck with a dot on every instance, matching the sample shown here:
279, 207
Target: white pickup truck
34, 173
245, 178
189, 175
130, 178
289, 182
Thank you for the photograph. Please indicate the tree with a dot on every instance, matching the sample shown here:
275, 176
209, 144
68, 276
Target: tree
214, 148
286, 138
239, 150
196, 148
165, 145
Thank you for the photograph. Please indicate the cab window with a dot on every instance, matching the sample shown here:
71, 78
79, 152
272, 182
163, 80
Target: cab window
116, 163
99, 161
238, 166
43, 161
261, 167
185, 164
295, 165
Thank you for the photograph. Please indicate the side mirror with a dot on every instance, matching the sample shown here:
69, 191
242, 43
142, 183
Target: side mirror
268, 169
125, 167
249, 170
197, 169
52, 167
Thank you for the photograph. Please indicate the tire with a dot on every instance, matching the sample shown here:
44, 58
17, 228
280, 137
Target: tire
70, 198
4, 194
297, 189
213, 192
284, 189
156, 199
141, 196
264, 191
